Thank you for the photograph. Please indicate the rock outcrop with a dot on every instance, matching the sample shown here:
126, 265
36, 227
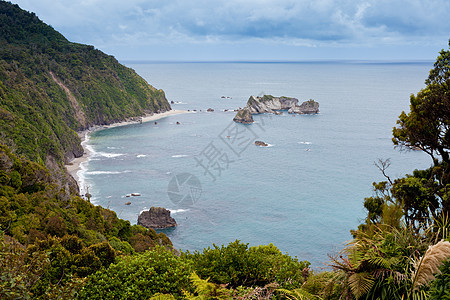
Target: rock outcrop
243, 116
271, 104
261, 144
156, 218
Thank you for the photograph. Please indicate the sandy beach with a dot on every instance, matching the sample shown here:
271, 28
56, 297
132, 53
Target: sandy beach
75, 165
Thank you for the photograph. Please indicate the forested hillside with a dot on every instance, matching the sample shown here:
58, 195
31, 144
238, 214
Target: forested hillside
50, 88
55, 245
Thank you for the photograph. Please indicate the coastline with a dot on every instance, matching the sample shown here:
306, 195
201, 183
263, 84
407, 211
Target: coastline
75, 164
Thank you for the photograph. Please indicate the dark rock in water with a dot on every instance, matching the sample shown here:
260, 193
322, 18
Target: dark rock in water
127, 203
171, 102
135, 194
261, 143
178, 123
210, 110
156, 218
243, 116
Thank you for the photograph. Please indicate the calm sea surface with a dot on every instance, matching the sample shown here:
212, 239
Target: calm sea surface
303, 193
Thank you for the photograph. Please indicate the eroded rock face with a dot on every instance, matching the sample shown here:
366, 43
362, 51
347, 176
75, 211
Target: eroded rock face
307, 107
274, 105
156, 218
243, 116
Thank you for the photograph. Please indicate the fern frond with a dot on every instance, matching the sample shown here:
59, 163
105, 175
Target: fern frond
360, 283
380, 262
298, 294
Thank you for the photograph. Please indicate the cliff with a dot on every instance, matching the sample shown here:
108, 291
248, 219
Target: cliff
271, 104
50, 88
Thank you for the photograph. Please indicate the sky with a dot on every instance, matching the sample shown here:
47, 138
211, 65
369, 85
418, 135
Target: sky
252, 30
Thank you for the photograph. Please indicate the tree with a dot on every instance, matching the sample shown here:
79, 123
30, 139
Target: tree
426, 126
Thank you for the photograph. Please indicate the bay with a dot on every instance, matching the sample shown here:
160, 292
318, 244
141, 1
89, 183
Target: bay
304, 193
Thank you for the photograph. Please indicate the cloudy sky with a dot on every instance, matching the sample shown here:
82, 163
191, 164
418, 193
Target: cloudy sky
257, 30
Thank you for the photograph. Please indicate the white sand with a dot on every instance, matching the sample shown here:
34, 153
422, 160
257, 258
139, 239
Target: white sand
74, 166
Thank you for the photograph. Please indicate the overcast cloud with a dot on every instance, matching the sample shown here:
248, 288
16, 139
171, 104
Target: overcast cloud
252, 29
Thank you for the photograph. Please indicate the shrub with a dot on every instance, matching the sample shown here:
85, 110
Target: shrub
239, 265
140, 276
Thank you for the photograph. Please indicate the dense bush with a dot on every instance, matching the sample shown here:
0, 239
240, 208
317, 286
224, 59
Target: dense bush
50, 87
239, 265
141, 276
440, 287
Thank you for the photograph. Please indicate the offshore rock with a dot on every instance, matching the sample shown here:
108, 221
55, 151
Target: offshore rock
307, 107
274, 105
243, 116
261, 144
156, 218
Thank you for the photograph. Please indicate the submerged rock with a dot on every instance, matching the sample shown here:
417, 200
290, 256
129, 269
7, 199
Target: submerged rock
156, 218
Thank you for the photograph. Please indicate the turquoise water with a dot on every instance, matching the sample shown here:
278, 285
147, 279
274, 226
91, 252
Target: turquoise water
303, 193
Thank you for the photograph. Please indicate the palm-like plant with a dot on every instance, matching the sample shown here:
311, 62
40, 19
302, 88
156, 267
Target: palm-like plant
377, 263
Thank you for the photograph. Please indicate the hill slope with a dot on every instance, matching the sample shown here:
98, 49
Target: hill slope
50, 88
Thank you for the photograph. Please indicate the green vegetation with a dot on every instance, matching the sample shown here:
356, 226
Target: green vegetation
55, 245
50, 87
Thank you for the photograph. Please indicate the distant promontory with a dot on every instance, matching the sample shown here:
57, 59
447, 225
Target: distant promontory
271, 104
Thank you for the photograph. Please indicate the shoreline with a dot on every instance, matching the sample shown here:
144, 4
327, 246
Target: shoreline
75, 164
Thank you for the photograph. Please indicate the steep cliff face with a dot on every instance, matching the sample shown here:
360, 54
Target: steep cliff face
271, 104
50, 88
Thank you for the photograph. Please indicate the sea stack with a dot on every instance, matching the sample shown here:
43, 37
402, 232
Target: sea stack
274, 105
243, 116
156, 218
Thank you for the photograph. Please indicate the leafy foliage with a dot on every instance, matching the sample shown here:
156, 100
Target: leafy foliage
239, 265
50, 87
426, 126
141, 276
440, 288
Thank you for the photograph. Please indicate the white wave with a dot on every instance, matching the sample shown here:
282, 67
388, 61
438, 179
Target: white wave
305, 143
180, 155
106, 172
102, 172
269, 145
112, 147
141, 155
109, 155
176, 211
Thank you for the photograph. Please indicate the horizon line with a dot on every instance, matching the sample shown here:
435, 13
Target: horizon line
313, 61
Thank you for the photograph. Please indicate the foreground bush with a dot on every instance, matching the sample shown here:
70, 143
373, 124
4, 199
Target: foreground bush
140, 276
240, 265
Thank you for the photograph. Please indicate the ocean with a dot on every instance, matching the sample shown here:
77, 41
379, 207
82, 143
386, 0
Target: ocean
303, 193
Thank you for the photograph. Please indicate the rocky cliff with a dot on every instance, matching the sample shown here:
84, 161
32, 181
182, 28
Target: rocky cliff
50, 88
271, 104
